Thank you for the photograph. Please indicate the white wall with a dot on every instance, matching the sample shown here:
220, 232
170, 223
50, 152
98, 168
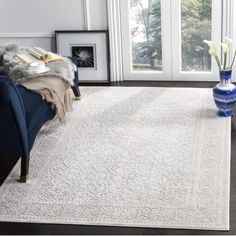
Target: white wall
32, 22
98, 14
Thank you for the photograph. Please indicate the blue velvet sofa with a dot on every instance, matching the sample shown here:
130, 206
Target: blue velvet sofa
22, 114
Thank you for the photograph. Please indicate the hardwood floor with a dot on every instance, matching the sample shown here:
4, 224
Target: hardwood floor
22, 228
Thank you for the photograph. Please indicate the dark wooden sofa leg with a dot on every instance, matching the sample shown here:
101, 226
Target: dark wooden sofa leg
76, 92
24, 169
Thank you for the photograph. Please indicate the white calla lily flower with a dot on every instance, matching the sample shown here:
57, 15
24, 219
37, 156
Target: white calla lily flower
229, 41
208, 42
213, 47
213, 51
224, 48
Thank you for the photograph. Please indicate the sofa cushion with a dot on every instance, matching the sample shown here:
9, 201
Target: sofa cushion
35, 108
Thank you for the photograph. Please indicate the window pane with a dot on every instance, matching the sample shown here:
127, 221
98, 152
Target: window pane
196, 26
146, 35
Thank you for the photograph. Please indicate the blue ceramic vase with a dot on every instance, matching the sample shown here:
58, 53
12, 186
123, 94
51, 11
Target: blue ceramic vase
225, 94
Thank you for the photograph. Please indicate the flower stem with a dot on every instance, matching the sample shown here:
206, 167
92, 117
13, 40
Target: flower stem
225, 60
231, 67
218, 61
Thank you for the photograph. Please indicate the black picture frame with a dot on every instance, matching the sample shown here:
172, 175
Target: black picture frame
86, 45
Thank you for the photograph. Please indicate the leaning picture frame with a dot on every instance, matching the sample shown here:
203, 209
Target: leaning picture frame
90, 50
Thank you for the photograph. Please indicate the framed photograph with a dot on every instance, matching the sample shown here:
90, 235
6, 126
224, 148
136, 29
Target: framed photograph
85, 56
90, 49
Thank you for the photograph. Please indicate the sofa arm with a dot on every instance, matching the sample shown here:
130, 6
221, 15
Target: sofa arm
13, 130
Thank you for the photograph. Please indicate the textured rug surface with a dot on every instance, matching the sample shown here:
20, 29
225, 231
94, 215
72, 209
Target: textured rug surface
141, 157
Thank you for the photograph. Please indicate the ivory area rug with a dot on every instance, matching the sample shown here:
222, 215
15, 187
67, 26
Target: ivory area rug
140, 157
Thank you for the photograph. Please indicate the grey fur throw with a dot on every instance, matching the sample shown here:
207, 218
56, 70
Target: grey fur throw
19, 71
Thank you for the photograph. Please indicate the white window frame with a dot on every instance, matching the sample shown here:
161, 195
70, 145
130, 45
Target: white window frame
116, 27
231, 10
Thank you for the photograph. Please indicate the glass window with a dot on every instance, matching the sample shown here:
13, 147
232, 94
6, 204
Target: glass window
146, 35
196, 26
